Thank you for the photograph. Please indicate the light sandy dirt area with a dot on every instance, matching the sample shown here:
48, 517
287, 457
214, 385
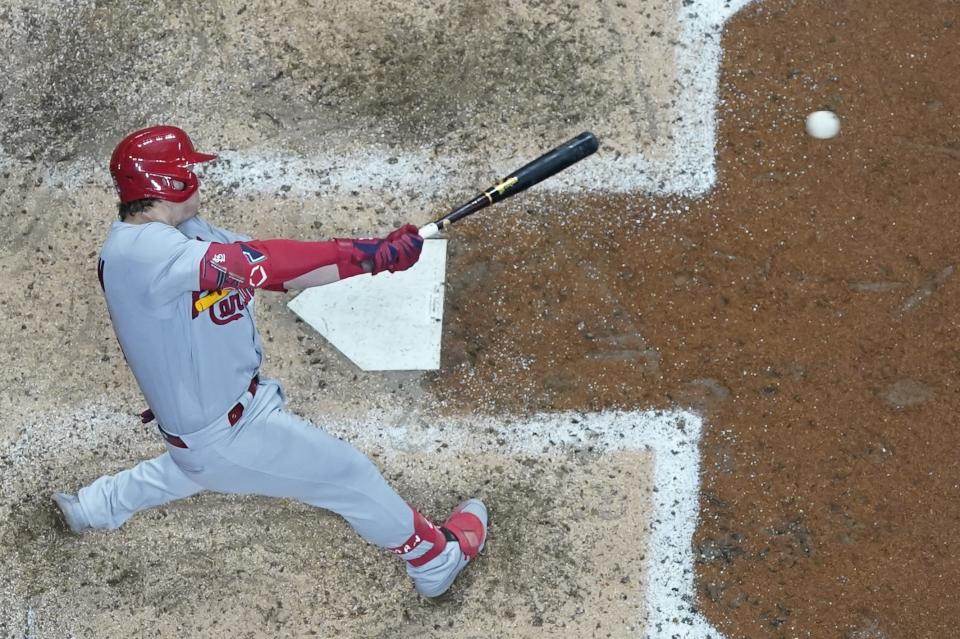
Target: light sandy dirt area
346, 93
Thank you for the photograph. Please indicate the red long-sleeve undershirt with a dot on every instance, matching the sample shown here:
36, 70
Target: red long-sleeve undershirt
278, 264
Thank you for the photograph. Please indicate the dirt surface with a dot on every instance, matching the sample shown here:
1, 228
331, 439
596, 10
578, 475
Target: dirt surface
441, 77
807, 307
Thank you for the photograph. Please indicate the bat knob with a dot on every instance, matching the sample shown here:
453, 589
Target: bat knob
430, 230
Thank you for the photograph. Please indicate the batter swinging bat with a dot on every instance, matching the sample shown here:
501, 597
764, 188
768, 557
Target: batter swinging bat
548, 164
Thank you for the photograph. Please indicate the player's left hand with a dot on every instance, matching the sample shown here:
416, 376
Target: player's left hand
397, 252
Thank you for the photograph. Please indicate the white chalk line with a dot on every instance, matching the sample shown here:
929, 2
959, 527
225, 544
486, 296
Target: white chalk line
673, 437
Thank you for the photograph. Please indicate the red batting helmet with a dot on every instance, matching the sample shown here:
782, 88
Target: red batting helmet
147, 163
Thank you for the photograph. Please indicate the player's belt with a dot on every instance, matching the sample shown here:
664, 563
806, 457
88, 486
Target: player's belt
233, 416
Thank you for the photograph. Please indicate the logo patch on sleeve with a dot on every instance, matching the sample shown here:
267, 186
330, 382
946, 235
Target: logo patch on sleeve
260, 274
253, 255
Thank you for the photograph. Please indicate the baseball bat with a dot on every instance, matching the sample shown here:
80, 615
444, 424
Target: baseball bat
548, 164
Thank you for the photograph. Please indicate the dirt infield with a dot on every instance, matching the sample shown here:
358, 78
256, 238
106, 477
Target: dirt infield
808, 307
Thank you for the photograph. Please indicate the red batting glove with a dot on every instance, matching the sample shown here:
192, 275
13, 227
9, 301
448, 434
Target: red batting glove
397, 252
405, 244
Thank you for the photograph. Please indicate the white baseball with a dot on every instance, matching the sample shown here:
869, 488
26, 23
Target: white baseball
823, 125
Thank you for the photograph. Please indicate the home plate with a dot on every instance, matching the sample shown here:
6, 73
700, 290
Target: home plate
388, 322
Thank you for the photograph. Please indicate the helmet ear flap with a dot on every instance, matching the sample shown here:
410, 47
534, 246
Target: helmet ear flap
184, 180
173, 183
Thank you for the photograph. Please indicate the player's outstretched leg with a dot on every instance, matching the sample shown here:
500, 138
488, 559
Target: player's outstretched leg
113, 499
434, 565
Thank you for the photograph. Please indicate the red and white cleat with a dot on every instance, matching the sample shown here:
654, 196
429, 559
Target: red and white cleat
467, 526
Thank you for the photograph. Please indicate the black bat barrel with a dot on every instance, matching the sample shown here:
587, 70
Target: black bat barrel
550, 163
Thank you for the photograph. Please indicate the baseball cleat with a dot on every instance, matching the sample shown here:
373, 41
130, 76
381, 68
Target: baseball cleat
72, 512
467, 526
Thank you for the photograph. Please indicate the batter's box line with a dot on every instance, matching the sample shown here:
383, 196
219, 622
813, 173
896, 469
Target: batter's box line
673, 437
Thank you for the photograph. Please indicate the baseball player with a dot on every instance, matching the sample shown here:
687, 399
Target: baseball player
197, 365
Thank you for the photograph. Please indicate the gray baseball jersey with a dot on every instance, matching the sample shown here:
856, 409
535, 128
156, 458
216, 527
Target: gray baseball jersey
191, 366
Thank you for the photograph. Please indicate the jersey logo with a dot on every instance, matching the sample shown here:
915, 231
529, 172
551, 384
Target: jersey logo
219, 258
253, 256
